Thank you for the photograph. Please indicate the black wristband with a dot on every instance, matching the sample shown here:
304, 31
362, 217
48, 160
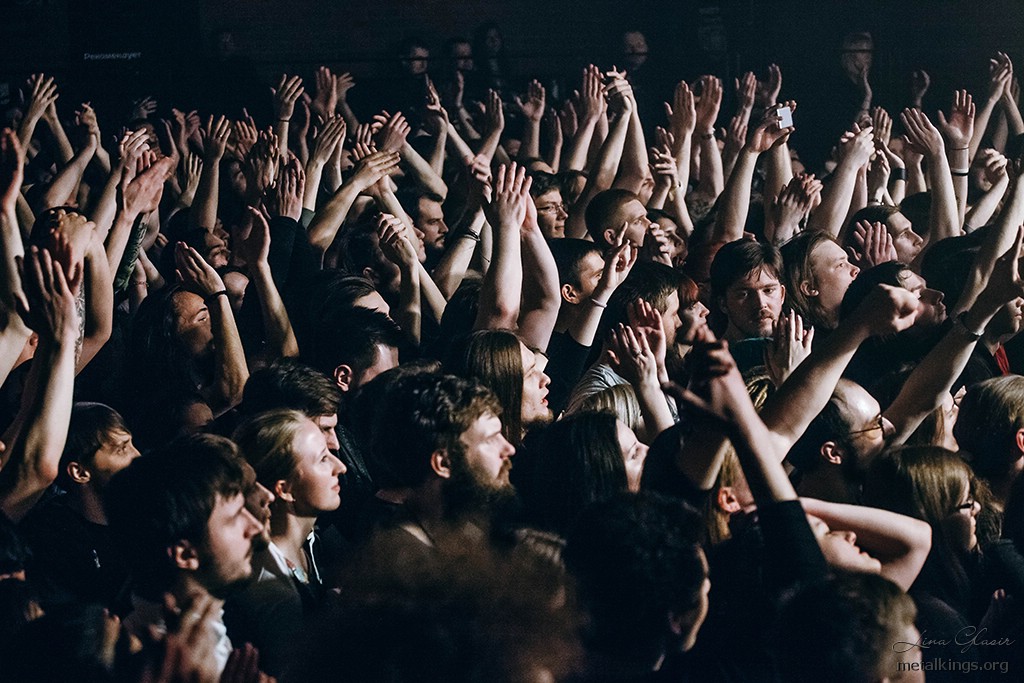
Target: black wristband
213, 296
899, 174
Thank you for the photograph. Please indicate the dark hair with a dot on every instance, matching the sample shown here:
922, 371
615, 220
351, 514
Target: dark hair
287, 383
576, 461
409, 198
874, 213
917, 208
543, 183
842, 629
494, 358
636, 559
459, 315
569, 254
888, 273
14, 553
166, 497
828, 425
736, 260
652, 282
991, 414
340, 291
600, 210
90, 425
351, 338
420, 414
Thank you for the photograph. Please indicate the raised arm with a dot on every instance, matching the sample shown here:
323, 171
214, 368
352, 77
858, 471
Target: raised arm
256, 250
712, 179
934, 376
42, 94
1000, 70
899, 542
617, 266
957, 132
631, 356
925, 138
64, 187
230, 369
590, 110
327, 140
289, 89
30, 463
501, 290
994, 165
13, 332
204, 208
398, 248
541, 300
854, 152
735, 200
532, 110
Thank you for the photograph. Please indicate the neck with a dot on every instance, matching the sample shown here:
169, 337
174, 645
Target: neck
85, 500
289, 533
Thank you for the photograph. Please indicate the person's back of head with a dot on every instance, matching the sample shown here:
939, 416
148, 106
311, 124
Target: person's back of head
163, 502
494, 359
641, 576
602, 211
353, 347
990, 422
576, 461
845, 630
288, 383
798, 269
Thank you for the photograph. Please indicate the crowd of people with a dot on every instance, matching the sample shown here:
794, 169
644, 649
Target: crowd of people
477, 385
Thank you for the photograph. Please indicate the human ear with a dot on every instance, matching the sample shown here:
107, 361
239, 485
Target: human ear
831, 452
78, 473
440, 463
343, 375
727, 500
570, 294
283, 491
184, 555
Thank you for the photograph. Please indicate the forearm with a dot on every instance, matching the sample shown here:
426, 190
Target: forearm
1013, 117
712, 179
11, 248
436, 159
996, 243
900, 542
501, 290
65, 151
530, 147
460, 148
423, 172
105, 208
575, 155
431, 297
981, 121
117, 239
541, 298
204, 208
945, 219
778, 170
65, 185
99, 307
835, 201
327, 221
314, 176
601, 176
634, 166
276, 324
13, 338
452, 267
466, 121
654, 409
735, 200
915, 178
408, 314
761, 462
34, 456
346, 113
231, 370
986, 206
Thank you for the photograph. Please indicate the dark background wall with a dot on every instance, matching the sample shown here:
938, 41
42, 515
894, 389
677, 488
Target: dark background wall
114, 50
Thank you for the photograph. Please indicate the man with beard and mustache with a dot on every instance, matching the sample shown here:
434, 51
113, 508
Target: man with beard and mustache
439, 453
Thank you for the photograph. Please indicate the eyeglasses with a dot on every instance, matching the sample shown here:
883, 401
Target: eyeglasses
880, 423
553, 208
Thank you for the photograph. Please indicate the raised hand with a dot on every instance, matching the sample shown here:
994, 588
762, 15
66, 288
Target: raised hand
591, 99
567, 120
631, 356
768, 134
142, 108
261, 164
994, 165
289, 89
645, 320
393, 132
395, 242
882, 124
620, 96
507, 208
663, 166
371, 168
709, 104
245, 134
435, 113
328, 139
195, 272
617, 266
745, 89
791, 344
325, 100
140, 191
49, 304
886, 310
735, 135
192, 169
682, 113
921, 135
215, 138
874, 245
768, 91
856, 146
254, 237
878, 176
243, 667
342, 84
290, 188
919, 82
1000, 70
494, 114
959, 128
42, 94
533, 107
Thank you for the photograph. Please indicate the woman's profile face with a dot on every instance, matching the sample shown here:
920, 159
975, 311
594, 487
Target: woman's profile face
961, 521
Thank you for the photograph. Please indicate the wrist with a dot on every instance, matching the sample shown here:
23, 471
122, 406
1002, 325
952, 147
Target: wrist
215, 296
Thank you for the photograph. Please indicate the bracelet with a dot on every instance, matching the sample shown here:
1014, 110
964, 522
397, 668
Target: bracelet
899, 174
283, 120
959, 172
470, 236
962, 324
958, 149
599, 304
706, 136
213, 296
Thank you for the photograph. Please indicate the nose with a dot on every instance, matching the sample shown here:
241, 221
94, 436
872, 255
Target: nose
560, 211
544, 379
854, 271
254, 527
702, 310
850, 537
339, 466
507, 449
